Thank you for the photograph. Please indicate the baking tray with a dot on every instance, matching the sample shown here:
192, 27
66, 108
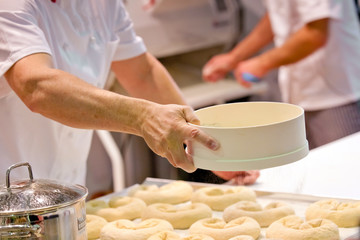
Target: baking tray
298, 201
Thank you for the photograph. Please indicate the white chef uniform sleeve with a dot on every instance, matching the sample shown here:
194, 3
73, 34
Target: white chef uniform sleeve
19, 37
130, 45
318, 9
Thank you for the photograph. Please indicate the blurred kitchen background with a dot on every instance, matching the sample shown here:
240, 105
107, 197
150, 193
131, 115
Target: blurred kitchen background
183, 35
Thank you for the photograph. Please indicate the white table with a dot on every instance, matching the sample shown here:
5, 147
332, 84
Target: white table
204, 94
332, 170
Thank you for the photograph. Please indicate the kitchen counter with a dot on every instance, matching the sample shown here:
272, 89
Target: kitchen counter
332, 170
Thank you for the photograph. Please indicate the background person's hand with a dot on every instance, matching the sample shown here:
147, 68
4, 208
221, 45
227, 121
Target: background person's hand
239, 177
218, 67
165, 129
252, 66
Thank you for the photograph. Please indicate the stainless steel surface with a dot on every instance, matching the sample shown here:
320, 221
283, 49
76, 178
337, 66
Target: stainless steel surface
16, 166
41, 209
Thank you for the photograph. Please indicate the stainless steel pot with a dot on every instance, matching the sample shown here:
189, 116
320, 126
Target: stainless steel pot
41, 209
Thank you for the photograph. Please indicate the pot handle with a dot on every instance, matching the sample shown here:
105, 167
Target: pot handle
16, 166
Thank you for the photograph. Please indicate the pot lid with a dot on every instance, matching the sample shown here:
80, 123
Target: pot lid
32, 195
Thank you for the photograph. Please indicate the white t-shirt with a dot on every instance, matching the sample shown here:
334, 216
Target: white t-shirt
330, 76
83, 37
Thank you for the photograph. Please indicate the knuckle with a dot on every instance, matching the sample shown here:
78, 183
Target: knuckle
194, 132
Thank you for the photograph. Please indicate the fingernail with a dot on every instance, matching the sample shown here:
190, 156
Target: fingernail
214, 145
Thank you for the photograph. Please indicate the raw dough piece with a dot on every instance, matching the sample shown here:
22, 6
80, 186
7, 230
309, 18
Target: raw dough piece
169, 235
126, 229
220, 230
165, 235
346, 214
94, 224
219, 198
173, 193
242, 237
93, 206
294, 228
122, 208
180, 216
264, 216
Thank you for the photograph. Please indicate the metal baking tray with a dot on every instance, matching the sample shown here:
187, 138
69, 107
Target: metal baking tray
298, 201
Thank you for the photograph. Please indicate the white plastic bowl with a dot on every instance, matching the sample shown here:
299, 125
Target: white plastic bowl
252, 135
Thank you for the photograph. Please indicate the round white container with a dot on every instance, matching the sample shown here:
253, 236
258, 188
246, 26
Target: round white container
252, 135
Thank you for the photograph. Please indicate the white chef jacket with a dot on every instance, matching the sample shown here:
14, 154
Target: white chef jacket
330, 76
83, 37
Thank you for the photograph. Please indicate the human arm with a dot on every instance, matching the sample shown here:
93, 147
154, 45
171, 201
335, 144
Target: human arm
218, 66
67, 99
145, 77
301, 44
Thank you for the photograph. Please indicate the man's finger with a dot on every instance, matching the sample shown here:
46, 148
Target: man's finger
183, 160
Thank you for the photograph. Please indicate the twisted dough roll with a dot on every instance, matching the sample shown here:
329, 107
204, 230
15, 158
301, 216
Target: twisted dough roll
218, 198
272, 212
169, 235
126, 229
94, 224
220, 230
173, 193
181, 217
118, 208
294, 228
242, 237
95, 205
345, 214
122, 208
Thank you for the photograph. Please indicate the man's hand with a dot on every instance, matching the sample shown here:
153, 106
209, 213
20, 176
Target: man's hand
240, 177
165, 128
218, 67
253, 66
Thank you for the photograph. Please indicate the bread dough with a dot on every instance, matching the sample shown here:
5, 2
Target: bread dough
220, 230
93, 206
346, 214
218, 198
165, 235
264, 216
173, 193
122, 208
126, 229
169, 235
94, 224
242, 237
294, 228
118, 208
197, 237
180, 216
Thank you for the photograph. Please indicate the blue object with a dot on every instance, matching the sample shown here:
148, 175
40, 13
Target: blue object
249, 77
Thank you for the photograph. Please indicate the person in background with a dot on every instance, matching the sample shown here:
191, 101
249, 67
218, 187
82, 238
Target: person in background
55, 56
317, 51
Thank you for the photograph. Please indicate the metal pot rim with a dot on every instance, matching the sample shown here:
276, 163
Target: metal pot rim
42, 210
37, 196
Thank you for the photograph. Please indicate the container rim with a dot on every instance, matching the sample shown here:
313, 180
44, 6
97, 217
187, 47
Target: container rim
252, 126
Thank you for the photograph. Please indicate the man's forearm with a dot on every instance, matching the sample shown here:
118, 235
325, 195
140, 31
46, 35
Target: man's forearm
259, 37
301, 44
69, 100
145, 77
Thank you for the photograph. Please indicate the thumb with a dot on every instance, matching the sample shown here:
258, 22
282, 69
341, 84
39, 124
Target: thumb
239, 78
190, 116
